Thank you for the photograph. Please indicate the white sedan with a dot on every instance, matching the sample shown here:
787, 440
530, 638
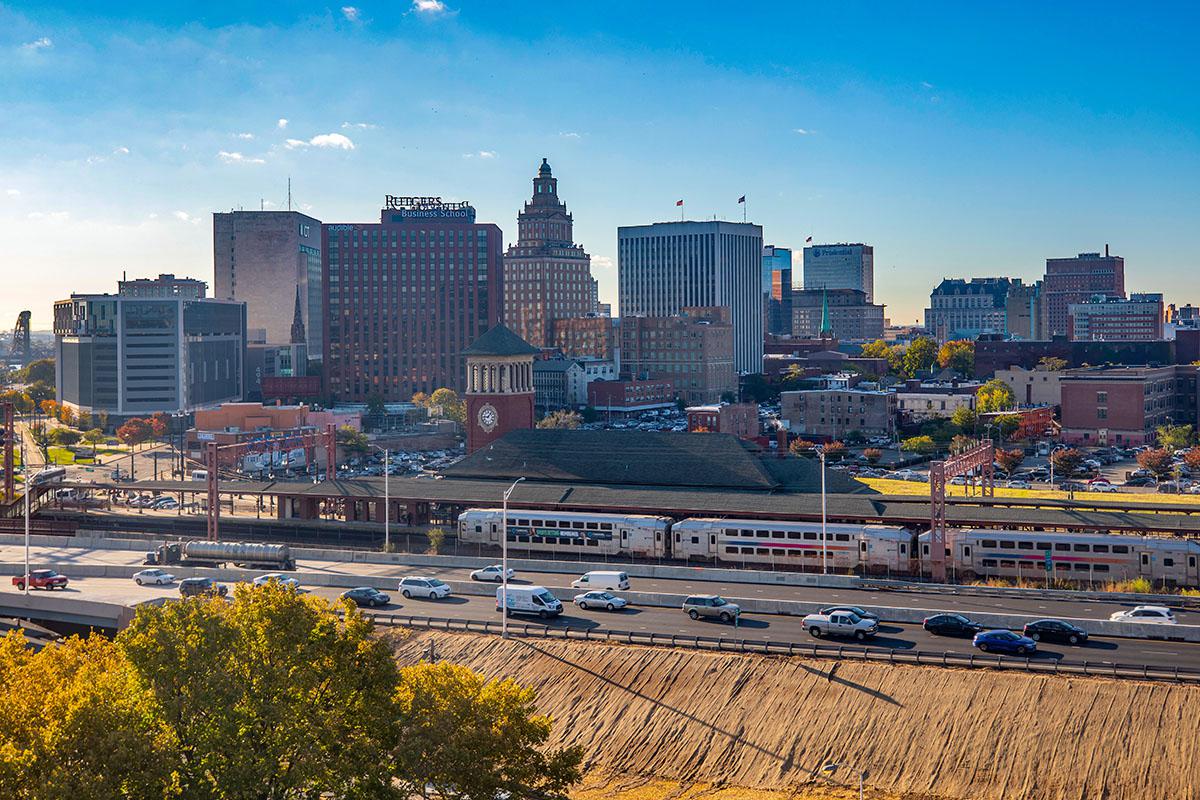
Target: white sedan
605, 600
1158, 615
417, 586
1102, 487
492, 573
154, 577
284, 580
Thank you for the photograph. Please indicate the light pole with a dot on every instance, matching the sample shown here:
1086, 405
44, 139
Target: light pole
25, 476
504, 559
832, 767
824, 544
387, 500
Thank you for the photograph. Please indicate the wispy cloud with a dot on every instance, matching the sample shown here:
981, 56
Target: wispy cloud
569, 135
802, 131
431, 8
44, 43
602, 262
244, 135
184, 216
52, 216
281, 124
334, 141
926, 85
121, 151
481, 154
237, 158
12, 192
361, 126
351, 13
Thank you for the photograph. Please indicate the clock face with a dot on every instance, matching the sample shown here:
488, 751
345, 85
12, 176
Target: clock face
488, 418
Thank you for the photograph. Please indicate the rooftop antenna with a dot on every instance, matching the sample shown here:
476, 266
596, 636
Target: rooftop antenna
289, 192
262, 204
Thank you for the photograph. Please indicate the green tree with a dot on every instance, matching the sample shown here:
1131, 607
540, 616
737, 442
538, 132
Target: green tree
1009, 460
1066, 462
470, 738
590, 414
1174, 437
919, 356
40, 391
94, 437
270, 695
1157, 461
449, 405
351, 440
562, 419
958, 355
65, 437
964, 418
1052, 363
39, 371
918, 444
1007, 425
437, 537
995, 395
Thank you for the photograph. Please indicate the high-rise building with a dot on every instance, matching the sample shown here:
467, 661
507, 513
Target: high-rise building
1074, 280
666, 267
406, 296
1023, 310
546, 275
840, 266
259, 257
962, 309
846, 312
1105, 319
694, 350
591, 337
156, 346
777, 288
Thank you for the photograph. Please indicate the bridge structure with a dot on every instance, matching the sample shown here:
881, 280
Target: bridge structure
973, 461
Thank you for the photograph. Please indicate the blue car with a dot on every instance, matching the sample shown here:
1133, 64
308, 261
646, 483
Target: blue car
1005, 642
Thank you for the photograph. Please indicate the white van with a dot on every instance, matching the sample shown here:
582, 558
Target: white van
602, 579
530, 600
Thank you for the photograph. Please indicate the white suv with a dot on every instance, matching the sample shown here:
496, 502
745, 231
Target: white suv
424, 587
1159, 615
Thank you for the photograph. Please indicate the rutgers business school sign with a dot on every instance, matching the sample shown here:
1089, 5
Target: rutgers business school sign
410, 209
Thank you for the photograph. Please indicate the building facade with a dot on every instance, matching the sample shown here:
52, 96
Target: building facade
500, 391
1023, 310
919, 402
736, 419
558, 383
827, 414
669, 266
850, 317
259, 258
1101, 318
1125, 405
623, 397
962, 309
171, 351
693, 350
840, 266
586, 337
1074, 280
546, 275
406, 296
777, 288
1033, 387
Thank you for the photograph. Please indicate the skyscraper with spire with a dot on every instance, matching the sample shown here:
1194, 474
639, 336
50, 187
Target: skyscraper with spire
546, 275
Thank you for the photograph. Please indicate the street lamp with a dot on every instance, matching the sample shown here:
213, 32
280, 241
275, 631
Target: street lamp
504, 559
25, 475
833, 767
387, 499
824, 543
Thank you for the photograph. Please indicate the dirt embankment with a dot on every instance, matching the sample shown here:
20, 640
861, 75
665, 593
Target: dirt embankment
770, 723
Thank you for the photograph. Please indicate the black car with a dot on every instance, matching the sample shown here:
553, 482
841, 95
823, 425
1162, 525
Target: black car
194, 587
1055, 630
1140, 480
951, 625
367, 596
859, 612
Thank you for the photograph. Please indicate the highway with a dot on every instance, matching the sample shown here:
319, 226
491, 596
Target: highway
752, 627
1035, 608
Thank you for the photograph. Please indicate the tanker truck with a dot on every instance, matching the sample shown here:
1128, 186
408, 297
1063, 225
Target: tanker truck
250, 555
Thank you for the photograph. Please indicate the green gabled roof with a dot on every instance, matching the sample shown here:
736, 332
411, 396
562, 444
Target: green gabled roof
500, 341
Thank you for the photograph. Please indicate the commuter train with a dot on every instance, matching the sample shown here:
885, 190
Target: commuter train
858, 549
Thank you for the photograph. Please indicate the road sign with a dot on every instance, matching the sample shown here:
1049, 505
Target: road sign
1049, 562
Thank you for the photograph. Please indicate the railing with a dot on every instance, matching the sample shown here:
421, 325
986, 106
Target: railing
723, 644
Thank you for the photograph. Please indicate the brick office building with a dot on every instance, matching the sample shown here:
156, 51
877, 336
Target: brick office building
404, 298
586, 337
833, 413
694, 350
1124, 405
1100, 318
1074, 280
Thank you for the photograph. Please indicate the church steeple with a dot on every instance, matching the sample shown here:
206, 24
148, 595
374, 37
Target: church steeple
826, 326
298, 334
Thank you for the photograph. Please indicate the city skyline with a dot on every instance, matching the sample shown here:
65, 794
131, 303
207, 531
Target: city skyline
956, 161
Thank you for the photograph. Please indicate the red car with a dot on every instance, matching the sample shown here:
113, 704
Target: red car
41, 579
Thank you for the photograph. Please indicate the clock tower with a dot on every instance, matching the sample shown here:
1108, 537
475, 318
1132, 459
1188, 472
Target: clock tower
499, 386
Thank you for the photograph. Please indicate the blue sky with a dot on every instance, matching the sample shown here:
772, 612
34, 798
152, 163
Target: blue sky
959, 139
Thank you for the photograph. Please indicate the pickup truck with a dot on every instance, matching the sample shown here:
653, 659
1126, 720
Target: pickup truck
41, 579
840, 623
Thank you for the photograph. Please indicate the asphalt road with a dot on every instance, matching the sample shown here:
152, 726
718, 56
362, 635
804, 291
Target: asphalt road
752, 627
62, 558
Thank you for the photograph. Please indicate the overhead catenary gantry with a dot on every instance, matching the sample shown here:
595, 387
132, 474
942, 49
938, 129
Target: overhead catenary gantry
975, 460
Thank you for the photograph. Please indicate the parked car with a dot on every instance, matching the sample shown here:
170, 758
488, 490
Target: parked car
1054, 630
605, 600
492, 573
951, 625
195, 587
1140, 480
1071, 486
710, 605
1018, 485
417, 586
851, 609
840, 623
1173, 487
1158, 615
41, 579
958, 480
154, 576
1004, 642
283, 580
366, 596
1104, 488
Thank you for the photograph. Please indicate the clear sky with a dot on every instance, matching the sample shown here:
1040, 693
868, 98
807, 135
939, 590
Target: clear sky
958, 138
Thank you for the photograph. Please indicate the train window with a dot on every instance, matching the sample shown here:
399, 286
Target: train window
842, 537
1120, 548
523, 522
658, 536
624, 536
777, 535
989, 562
712, 539
731, 550
1006, 564
988, 543
747, 551
1062, 546
1099, 548
550, 523
1079, 547
778, 551
746, 532
537, 540
1005, 545
592, 526
793, 534
1168, 562
1145, 559
537, 523
763, 551
812, 553
593, 542
606, 526
577, 525
731, 532
903, 548
810, 535
1100, 567
695, 540
1043, 546
479, 529
1192, 562
1024, 545
966, 551
677, 538
794, 553
1082, 567
925, 549
522, 538
1062, 567
763, 534
862, 546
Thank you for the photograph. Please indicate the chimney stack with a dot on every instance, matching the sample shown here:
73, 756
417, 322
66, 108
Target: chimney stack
1106, 249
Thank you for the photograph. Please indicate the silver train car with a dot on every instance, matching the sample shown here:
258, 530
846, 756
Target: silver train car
974, 552
569, 531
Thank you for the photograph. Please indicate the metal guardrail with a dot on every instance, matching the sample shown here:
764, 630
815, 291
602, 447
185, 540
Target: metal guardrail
723, 644
1016, 592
